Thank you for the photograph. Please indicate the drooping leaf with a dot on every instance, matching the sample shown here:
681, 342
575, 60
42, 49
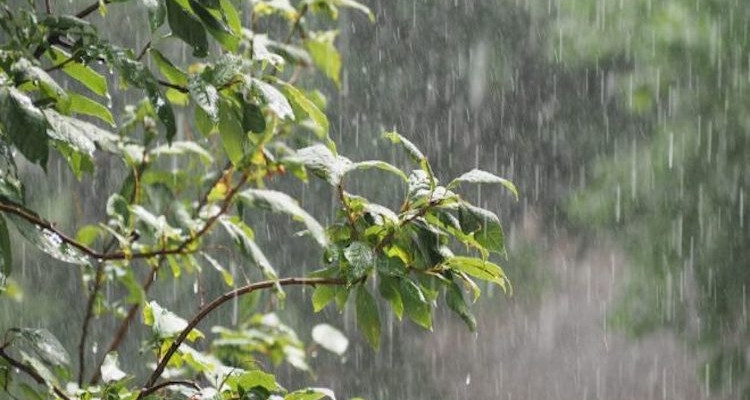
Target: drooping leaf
253, 119
215, 27
298, 98
330, 338
479, 268
84, 74
325, 56
281, 202
24, 71
173, 74
24, 124
389, 289
480, 176
455, 299
233, 137
242, 235
232, 16
85, 106
187, 27
416, 306
368, 318
226, 275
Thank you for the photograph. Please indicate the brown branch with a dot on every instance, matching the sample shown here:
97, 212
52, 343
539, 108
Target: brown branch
171, 383
181, 89
91, 8
30, 372
210, 307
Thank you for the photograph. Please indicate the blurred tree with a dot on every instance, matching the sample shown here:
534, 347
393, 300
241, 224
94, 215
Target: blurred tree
675, 193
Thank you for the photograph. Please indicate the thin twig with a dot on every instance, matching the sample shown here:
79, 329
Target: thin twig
210, 307
33, 374
143, 51
171, 383
91, 8
48, 6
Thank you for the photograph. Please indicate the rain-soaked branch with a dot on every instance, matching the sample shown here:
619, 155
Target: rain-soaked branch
98, 277
30, 372
210, 307
162, 385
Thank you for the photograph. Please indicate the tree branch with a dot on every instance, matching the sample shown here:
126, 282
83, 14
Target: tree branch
171, 383
87, 320
91, 8
210, 307
30, 372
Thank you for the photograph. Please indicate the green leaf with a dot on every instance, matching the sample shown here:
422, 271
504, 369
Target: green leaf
187, 27
277, 103
83, 105
253, 119
330, 338
282, 203
478, 268
84, 74
480, 176
172, 73
455, 299
381, 165
233, 137
48, 241
232, 16
313, 112
322, 296
251, 379
163, 109
410, 148
368, 319
215, 27
205, 95
325, 56
24, 124
484, 225
44, 344
310, 394
6, 259
416, 306
361, 259
389, 289
87, 234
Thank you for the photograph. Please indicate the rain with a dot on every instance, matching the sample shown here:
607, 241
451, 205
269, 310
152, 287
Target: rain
624, 126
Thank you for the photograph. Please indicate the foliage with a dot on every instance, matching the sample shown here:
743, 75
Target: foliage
243, 100
677, 193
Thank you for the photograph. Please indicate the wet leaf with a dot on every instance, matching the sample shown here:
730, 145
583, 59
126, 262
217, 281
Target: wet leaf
325, 56
416, 306
310, 394
186, 26
44, 344
455, 299
280, 202
168, 70
85, 106
313, 112
478, 268
480, 176
24, 124
84, 74
277, 103
368, 319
